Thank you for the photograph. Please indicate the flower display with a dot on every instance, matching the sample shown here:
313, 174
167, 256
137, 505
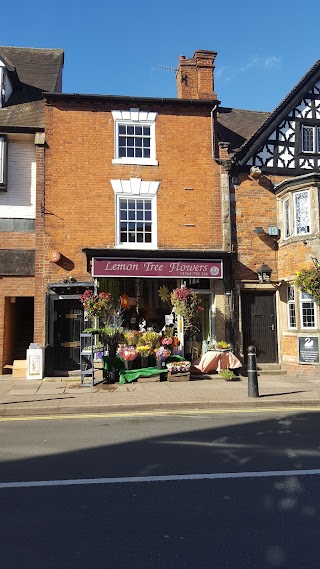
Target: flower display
162, 353
222, 345
144, 350
128, 353
308, 280
96, 305
132, 337
186, 303
151, 337
178, 367
167, 341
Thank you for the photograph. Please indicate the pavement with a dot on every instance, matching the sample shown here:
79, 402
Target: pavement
64, 396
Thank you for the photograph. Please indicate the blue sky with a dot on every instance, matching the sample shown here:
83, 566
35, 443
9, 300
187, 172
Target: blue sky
118, 48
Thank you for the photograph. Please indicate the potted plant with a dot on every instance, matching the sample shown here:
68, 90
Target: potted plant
112, 336
308, 280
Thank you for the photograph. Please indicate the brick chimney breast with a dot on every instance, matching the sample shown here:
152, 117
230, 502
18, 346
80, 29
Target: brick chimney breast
195, 76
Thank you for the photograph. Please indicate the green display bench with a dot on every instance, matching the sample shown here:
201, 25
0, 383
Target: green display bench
126, 376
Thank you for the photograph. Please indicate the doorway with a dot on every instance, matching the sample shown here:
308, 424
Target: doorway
201, 331
259, 325
68, 323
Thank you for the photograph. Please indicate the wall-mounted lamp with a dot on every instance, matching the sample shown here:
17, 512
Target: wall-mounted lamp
264, 274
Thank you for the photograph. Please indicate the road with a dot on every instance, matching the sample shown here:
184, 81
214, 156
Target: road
192, 490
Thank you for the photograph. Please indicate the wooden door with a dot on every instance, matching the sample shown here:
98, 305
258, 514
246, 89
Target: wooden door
259, 325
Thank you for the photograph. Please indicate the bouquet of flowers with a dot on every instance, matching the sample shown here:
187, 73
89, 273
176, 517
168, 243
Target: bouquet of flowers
222, 345
132, 337
162, 353
128, 353
144, 351
167, 341
178, 367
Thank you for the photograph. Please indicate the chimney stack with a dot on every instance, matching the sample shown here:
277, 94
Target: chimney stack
195, 76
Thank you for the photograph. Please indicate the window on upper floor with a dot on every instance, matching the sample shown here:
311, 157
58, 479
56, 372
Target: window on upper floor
296, 214
136, 213
3, 162
302, 212
310, 139
307, 311
135, 137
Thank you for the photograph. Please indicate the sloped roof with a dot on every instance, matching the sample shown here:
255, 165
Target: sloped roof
37, 71
236, 126
251, 145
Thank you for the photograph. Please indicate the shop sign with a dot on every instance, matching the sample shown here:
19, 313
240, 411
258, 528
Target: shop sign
168, 268
308, 349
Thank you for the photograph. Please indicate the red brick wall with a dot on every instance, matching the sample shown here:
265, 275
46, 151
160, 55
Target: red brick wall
79, 197
255, 205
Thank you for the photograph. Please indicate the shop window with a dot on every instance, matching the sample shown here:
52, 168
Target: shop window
135, 137
291, 306
136, 213
307, 311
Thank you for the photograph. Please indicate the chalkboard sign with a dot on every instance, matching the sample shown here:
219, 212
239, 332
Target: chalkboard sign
308, 349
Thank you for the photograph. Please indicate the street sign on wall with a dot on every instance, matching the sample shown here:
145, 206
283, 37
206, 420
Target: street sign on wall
308, 349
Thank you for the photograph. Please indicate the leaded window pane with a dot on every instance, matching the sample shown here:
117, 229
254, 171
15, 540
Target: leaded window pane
308, 315
292, 321
308, 139
302, 212
286, 218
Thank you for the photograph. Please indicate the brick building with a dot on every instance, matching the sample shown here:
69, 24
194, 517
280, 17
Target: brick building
24, 74
274, 181
135, 201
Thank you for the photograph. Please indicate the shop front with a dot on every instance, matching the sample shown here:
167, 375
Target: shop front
145, 286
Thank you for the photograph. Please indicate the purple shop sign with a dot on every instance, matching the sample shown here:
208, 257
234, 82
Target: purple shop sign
169, 268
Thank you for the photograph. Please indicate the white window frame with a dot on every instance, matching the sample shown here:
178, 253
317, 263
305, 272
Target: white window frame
315, 139
304, 299
3, 161
291, 302
286, 219
295, 194
135, 188
135, 117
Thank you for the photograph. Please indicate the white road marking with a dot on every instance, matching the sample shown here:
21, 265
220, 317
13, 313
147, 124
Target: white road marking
170, 478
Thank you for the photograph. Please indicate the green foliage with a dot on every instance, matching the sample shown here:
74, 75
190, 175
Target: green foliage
308, 280
227, 374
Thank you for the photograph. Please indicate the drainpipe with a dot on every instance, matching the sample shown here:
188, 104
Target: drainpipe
212, 132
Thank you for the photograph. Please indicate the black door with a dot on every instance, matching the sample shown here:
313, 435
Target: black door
259, 325
67, 327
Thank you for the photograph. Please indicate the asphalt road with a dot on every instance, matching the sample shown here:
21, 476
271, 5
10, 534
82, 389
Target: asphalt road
208, 507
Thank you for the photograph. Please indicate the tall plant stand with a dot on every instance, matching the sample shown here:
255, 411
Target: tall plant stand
87, 361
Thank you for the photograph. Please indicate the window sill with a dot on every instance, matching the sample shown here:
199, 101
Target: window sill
137, 161
138, 246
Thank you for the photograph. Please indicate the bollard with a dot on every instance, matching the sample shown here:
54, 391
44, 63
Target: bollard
253, 388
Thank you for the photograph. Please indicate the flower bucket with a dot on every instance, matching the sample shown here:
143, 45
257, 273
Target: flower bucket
128, 364
112, 350
161, 364
144, 361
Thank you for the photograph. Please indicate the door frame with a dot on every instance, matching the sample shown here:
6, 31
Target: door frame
260, 292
